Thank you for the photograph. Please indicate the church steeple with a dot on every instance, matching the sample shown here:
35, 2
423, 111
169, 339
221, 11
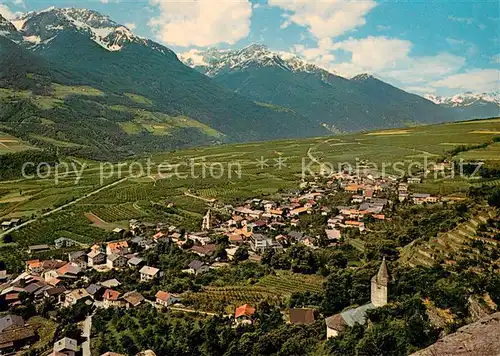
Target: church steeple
383, 275
206, 224
380, 282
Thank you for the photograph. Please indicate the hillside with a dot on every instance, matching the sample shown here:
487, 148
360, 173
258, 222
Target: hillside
96, 52
361, 103
449, 246
480, 338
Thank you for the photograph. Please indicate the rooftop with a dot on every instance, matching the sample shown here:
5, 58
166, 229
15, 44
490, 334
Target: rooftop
150, 271
244, 310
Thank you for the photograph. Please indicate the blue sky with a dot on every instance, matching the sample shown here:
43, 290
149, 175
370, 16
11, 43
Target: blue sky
439, 47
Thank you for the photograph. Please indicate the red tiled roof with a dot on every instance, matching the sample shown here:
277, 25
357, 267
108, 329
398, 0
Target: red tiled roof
12, 296
235, 237
355, 223
162, 295
33, 263
299, 210
117, 245
68, 268
158, 235
244, 310
110, 294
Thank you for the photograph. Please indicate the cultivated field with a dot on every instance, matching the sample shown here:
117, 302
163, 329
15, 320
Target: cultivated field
180, 186
272, 288
9, 144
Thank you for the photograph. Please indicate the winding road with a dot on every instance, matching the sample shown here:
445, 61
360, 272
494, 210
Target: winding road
87, 327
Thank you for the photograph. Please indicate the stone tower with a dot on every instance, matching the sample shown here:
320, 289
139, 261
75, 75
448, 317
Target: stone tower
380, 283
206, 225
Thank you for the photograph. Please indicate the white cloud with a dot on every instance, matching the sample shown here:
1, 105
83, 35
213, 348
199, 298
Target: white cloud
454, 41
19, 3
375, 53
326, 18
466, 47
321, 55
383, 28
389, 59
420, 90
131, 26
476, 80
466, 20
201, 23
285, 24
7, 13
425, 68
195, 56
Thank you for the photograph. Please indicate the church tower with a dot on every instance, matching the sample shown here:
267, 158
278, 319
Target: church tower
380, 283
206, 225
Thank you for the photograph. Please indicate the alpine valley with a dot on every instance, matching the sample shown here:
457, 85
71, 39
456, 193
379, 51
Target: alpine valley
76, 80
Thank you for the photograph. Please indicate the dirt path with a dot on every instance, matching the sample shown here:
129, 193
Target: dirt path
197, 197
188, 310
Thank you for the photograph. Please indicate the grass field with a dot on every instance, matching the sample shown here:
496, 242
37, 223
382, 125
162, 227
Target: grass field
10, 144
228, 174
158, 123
490, 153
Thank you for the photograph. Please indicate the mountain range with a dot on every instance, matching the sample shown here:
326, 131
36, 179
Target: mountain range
359, 103
470, 105
75, 79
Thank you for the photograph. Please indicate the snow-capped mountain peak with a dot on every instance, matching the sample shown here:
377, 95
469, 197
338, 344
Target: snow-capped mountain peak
41, 27
7, 29
363, 76
6, 25
465, 99
214, 61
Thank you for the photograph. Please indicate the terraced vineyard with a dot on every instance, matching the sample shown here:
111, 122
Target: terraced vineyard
215, 298
271, 288
288, 283
489, 183
120, 212
446, 247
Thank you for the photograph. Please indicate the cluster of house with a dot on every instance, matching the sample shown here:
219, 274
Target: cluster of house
257, 220
69, 347
60, 283
245, 314
9, 224
259, 224
416, 198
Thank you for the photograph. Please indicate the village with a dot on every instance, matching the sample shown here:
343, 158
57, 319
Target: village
252, 229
